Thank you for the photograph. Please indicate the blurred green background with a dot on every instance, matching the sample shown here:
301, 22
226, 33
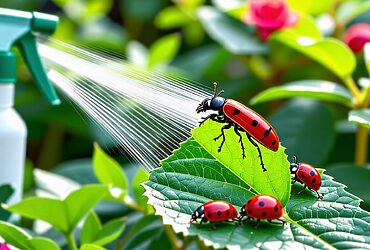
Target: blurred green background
60, 138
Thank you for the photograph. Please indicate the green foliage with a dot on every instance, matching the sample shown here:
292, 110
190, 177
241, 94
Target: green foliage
108, 171
314, 89
331, 53
307, 129
361, 117
191, 177
6, 192
96, 233
229, 32
163, 50
62, 214
140, 177
20, 239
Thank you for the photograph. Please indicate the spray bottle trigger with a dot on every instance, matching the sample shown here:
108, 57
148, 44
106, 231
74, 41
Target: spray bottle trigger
27, 45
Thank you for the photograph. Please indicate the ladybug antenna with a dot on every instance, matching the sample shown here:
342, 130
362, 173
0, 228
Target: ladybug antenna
295, 159
219, 93
215, 89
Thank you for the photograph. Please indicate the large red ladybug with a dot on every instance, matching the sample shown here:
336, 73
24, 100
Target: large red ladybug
243, 119
262, 207
307, 175
214, 211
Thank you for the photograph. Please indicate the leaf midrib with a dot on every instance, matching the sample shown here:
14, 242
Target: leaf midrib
290, 220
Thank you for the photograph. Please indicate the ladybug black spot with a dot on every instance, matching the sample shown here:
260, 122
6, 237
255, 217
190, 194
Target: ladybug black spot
249, 211
210, 215
263, 213
236, 112
313, 180
254, 123
320, 184
273, 142
249, 202
302, 175
227, 212
276, 208
261, 203
312, 173
267, 132
219, 213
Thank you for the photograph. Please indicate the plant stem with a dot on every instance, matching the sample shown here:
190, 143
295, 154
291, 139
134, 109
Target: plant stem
361, 145
71, 241
128, 201
351, 85
172, 236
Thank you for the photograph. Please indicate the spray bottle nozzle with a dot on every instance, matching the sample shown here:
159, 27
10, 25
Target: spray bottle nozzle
19, 28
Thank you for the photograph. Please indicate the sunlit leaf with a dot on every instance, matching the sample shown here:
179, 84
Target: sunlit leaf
331, 53
229, 32
107, 170
315, 89
361, 117
164, 50
192, 176
17, 237
171, 17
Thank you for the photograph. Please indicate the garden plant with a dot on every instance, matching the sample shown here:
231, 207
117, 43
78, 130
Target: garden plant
304, 66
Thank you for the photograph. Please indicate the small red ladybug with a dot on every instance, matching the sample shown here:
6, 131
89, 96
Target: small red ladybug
307, 175
262, 207
243, 119
214, 211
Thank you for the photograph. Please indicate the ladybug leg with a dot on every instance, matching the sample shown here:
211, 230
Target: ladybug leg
282, 222
227, 126
211, 116
298, 193
291, 186
258, 149
240, 139
319, 196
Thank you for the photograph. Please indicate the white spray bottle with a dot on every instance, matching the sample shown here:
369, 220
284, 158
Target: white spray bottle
18, 28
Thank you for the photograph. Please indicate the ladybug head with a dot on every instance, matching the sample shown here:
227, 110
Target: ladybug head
212, 103
294, 166
199, 213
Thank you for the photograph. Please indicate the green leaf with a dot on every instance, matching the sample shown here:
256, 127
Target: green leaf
315, 89
140, 177
81, 201
110, 231
46, 209
43, 243
6, 192
85, 11
349, 10
91, 247
306, 26
17, 237
334, 222
63, 215
229, 32
94, 232
164, 50
309, 7
307, 129
361, 117
248, 172
107, 170
90, 228
331, 53
171, 17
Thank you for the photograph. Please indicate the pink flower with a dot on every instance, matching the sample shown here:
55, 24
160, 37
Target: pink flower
4, 246
357, 35
269, 16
